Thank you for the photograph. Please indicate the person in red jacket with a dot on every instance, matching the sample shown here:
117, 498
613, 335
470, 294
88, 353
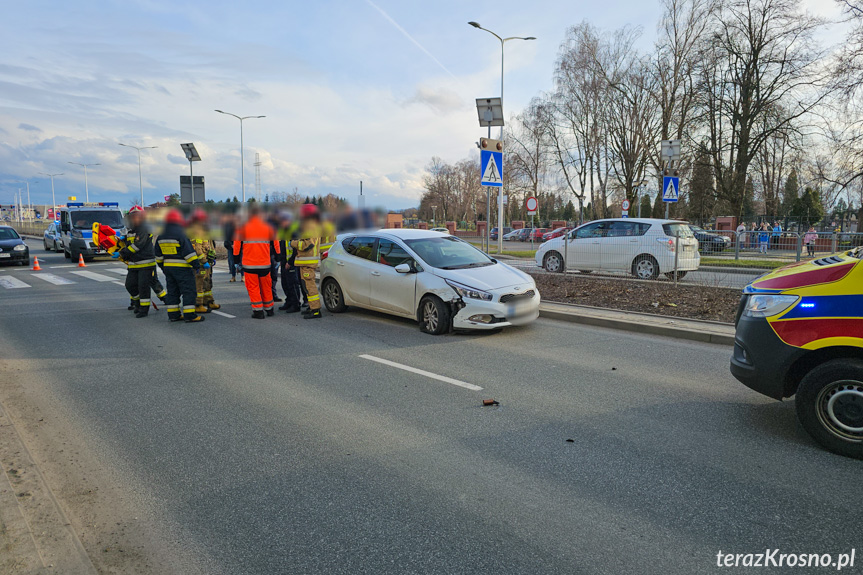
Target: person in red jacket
255, 238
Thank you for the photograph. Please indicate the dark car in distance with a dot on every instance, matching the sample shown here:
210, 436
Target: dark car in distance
710, 242
13, 250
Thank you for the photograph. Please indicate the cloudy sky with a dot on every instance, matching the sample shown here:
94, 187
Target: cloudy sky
352, 89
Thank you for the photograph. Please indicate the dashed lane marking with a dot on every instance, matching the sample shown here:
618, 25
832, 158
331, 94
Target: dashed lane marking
223, 314
423, 372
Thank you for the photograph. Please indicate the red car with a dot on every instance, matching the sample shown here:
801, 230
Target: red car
555, 234
536, 234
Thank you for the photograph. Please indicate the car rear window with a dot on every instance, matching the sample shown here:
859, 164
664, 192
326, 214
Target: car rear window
8, 234
677, 229
361, 247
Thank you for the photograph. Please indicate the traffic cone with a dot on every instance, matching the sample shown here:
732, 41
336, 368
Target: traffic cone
81, 261
36, 267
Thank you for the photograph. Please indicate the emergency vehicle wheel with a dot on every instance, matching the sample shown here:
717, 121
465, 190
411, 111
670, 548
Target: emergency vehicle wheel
333, 298
829, 405
433, 315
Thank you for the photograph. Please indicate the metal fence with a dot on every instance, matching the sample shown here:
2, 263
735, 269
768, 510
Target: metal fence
35, 228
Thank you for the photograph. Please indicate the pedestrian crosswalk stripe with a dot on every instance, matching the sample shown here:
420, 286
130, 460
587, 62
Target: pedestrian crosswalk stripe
51, 278
10, 282
94, 276
120, 271
119, 283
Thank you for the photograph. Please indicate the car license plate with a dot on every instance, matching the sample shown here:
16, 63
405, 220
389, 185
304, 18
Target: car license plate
5, 255
518, 309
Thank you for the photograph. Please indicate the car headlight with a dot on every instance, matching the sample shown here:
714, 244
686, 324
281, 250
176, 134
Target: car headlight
469, 292
766, 305
19, 248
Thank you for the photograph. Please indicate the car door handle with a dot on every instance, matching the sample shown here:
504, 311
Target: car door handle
338, 263
634, 241
376, 273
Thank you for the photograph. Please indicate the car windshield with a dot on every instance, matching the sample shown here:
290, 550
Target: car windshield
448, 253
677, 229
8, 234
84, 220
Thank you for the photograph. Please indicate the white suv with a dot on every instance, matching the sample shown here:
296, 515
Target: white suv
643, 247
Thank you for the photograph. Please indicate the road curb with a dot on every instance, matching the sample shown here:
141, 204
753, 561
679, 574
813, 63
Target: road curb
594, 317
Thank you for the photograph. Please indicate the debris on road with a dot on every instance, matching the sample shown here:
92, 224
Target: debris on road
487, 402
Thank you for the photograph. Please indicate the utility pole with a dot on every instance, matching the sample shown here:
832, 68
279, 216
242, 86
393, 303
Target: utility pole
242, 154
53, 198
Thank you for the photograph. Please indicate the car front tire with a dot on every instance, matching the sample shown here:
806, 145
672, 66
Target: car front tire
334, 299
829, 405
553, 262
434, 317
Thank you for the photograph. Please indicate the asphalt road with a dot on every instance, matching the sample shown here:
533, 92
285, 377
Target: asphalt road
276, 446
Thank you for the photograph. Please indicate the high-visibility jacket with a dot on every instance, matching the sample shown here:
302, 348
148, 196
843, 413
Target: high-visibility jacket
174, 250
307, 246
255, 238
285, 235
138, 251
328, 236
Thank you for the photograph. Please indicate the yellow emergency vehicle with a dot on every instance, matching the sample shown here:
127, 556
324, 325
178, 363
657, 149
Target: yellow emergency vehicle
800, 332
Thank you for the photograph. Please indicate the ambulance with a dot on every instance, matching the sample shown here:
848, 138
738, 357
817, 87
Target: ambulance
800, 333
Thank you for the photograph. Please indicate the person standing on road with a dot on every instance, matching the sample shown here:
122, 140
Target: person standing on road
140, 261
206, 252
307, 256
810, 240
177, 258
228, 227
255, 238
289, 230
764, 238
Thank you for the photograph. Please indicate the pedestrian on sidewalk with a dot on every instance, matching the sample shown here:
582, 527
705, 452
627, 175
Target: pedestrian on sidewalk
177, 258
810, 239
254, 238
764, 238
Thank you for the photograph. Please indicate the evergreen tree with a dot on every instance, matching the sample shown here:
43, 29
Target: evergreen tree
702, 193
808, 207
748, 207
235, 200
568, 211
658, 207
790, 194
646, 209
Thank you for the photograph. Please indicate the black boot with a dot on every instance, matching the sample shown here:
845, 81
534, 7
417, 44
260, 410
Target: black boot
313, 314
270, 312
290, 308
142, 313
133, 306
258, 314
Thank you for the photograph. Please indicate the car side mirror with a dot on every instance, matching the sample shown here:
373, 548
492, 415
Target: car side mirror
64, 226
404, 268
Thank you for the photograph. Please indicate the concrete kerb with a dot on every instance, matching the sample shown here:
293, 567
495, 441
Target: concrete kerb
689, 329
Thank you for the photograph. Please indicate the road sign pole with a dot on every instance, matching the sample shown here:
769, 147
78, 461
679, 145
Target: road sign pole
500, 221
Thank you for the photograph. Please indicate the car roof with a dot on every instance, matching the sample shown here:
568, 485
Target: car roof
398, 233
639, 220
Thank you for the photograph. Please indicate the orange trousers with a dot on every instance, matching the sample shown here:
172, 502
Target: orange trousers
260, 290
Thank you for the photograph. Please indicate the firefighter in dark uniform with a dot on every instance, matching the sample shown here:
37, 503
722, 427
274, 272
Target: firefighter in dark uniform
177, 258
289, 230
140, 260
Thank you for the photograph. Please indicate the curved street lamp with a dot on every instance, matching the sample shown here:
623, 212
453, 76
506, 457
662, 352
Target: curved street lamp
242, 157
86, 186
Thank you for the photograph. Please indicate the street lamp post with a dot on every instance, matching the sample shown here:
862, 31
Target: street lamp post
503, 42
53, 199
242, 157
86, 185
140, 176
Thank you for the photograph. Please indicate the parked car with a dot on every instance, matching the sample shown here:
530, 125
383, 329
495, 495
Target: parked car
493, 232
554, 234
536, 234
523, 234
710, 241
13, 250
442, 282
512, 236
643, 247
51, 238
440, 230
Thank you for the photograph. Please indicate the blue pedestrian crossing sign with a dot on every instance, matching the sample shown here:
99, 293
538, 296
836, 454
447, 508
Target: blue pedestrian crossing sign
670, 188
491, 164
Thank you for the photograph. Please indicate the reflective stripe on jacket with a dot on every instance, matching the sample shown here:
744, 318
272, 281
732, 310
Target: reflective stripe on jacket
173, 249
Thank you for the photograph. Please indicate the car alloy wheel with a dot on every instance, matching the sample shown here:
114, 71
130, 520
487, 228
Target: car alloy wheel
430, 316
839, 407
332, 297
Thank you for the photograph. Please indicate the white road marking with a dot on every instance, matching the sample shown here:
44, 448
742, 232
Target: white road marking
51, 278
217, 312
428, 374
123, 271
10, 282
94, 276
119, 283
